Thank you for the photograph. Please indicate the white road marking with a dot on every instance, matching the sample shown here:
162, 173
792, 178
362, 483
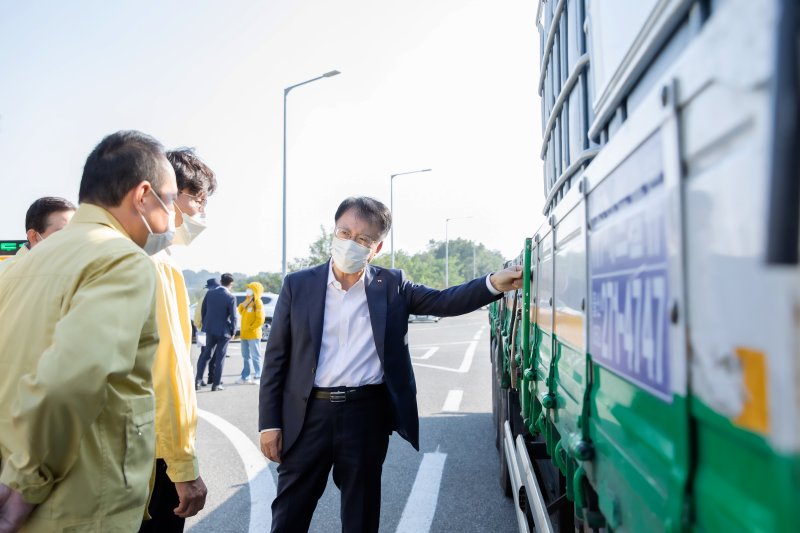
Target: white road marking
412, 346
469, 355
453, 401
421, 505
259, 477
428, 354
478, 334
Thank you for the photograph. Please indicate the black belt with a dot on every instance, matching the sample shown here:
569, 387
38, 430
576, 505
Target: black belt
348, 394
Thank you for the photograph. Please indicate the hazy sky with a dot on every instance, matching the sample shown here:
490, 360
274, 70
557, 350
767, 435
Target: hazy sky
449, 84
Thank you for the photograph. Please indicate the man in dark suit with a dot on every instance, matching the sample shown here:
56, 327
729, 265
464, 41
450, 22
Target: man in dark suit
337, 378
218, 313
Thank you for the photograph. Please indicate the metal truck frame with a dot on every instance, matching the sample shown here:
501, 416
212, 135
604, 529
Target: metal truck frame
647, 376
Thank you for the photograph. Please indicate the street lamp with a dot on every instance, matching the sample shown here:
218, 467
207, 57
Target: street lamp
391, 200
447, 250
285, 94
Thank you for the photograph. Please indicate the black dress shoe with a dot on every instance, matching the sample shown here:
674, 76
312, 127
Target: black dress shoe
203, 383
218, 387
197, 385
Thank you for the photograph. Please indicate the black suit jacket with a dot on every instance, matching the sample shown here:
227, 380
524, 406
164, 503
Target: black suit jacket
294, 343
218, 312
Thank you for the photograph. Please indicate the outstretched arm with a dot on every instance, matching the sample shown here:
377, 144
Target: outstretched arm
506, 280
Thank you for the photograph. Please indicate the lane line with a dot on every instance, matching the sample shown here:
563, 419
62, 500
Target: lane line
428, 345
453, 401
478, 334
259, 477
428, 354
421, 505
469, 355
437, 367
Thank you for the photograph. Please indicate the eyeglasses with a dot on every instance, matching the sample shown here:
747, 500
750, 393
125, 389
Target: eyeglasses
364, 240
201, 201
167, 199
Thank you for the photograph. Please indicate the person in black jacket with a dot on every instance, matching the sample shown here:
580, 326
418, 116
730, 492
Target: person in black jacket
337, 377
219, 323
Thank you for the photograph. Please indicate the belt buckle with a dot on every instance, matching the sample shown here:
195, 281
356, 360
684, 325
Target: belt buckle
338, 396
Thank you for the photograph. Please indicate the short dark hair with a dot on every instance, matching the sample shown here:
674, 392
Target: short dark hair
369, 209
226, 279
41, 209
120, 162
191, 172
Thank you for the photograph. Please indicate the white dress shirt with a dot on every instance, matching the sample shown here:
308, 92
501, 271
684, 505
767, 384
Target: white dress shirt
348, 356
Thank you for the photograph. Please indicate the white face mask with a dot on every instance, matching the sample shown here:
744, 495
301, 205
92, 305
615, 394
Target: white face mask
190, 228
248, 292
349, 256
159, 241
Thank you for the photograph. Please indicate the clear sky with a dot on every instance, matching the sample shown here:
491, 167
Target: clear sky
446, 84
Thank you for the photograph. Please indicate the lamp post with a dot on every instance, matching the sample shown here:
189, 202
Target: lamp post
285, 94
447, 250
391, 200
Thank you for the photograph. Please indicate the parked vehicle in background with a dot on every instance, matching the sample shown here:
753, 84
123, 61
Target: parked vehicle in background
423, 318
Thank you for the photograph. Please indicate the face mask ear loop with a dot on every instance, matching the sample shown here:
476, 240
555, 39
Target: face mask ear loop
141, 215
149, 229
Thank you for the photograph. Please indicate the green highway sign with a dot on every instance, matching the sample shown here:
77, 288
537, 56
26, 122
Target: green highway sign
10, 247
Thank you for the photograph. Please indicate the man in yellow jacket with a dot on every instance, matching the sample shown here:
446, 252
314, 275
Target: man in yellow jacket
77, 338
179, 491
252, 312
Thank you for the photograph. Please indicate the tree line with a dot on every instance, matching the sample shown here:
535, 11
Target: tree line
468, 259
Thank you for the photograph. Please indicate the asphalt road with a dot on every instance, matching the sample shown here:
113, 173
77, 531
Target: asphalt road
451, 484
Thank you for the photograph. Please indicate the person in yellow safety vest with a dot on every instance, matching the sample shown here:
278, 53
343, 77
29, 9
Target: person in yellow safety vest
252, 312
78, 333
44, 217
179, 491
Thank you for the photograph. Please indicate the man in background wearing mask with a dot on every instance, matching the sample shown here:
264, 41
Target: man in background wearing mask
44, 217
252, 312
179, 491
78, 335
219, 323
337, 376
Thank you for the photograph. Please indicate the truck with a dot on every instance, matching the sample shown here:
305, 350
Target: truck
647, 375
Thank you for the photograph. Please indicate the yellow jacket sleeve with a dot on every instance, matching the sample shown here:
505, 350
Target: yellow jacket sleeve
259, 314
173, 378
198, 311
95, 343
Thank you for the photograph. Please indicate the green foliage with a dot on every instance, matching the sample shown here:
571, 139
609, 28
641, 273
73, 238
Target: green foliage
319, 251
425, 267
270, 280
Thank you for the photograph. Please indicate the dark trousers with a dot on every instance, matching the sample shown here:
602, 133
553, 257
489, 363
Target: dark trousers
163, 501
214, 350
350, 437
